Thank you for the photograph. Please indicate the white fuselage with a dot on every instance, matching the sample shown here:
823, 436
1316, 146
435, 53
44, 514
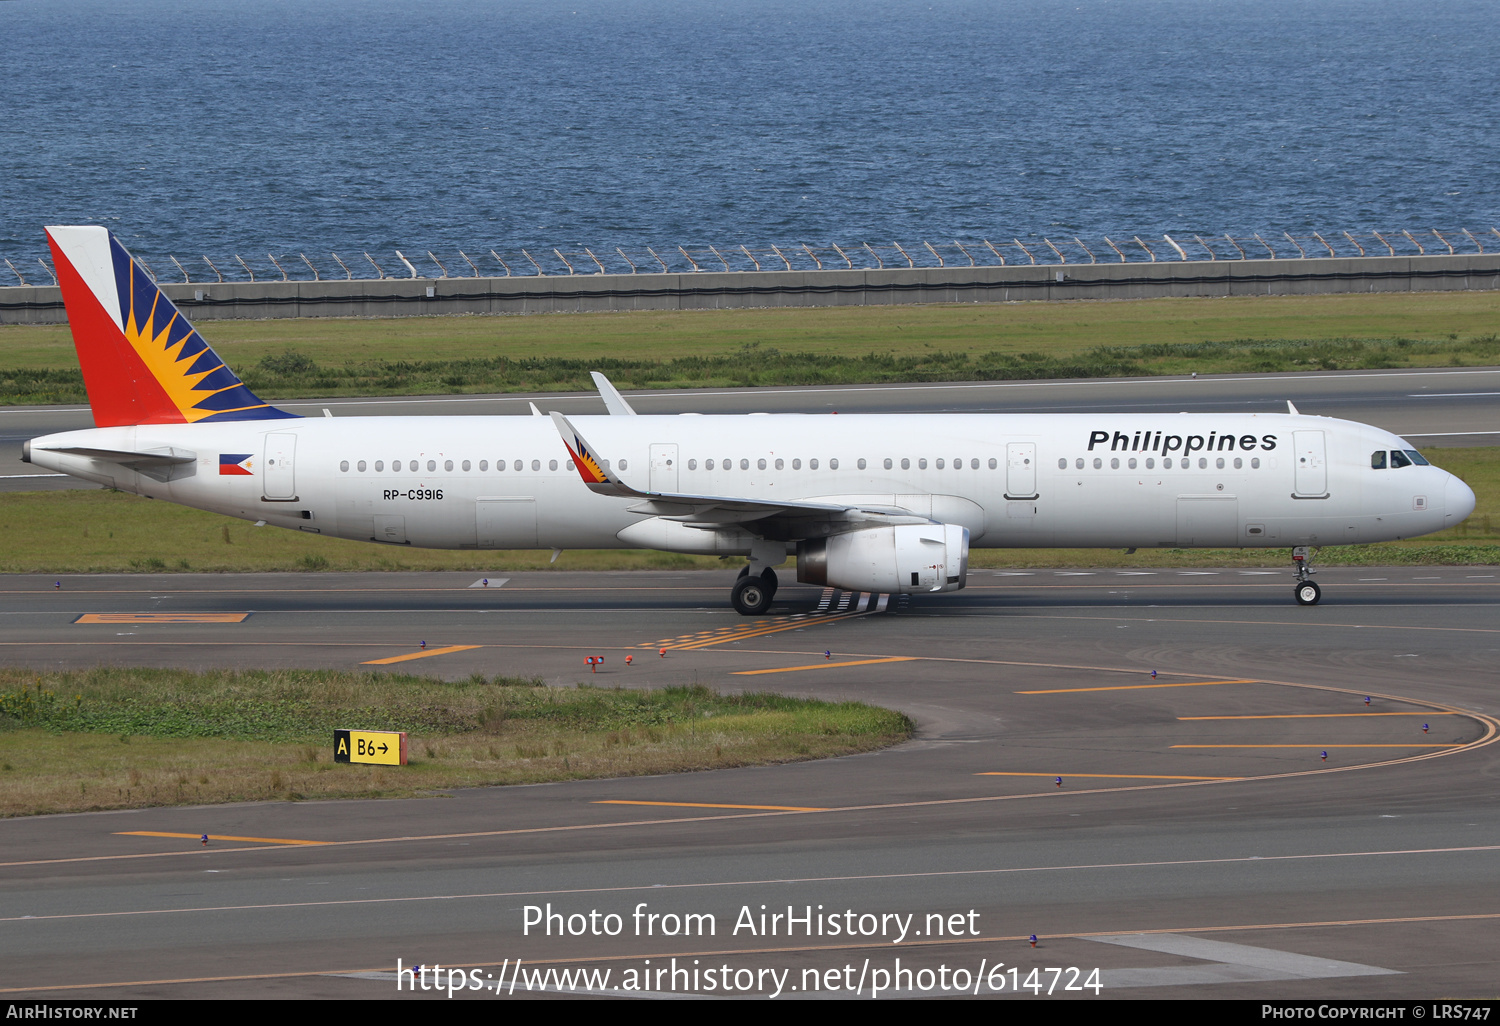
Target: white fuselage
1086, 480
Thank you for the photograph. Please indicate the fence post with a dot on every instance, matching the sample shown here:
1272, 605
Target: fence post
879, 263
309, 263
595, 260
438, 262
502, 263
813, 255
1085, 249
1236, 245
348, 274
210, 263
995, 251
185, 279
472, 266
378, 272
961, 249
1294, 243
1414, 242
1173, 243
664, 268
934, 253
1325, 243
1266, 244
1443, 241
690, 259
407, 262
626, 259
17, 273
909, 262
1356, 243
563, 259
540, 273
278, 267
245, 266
1148, 249
1211, 254
783, 257
1054, 249
1382, 239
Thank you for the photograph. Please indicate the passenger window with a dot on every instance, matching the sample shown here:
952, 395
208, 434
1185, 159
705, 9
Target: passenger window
833, 464
780, 464
1132, 463
1418, 458
922, 463
1255, 463
744, 464
796, 464
812, 464
1219, 463
360, 466
861, 463
1398, 459
536, 464
760, 464
1150, 464
1098, 463
888, 463
1238, 463
624, 465
1377, 459
344, 466
395, 466
431, 465
993, 463
379, 465
551, 464
1062, 464
1114, 464
518, 464
727, 464
484, 465
708, 464
1078, 463
570, 465
940, 463
905, 463
1202, 462
466, 465
447, 466
412, 466
692, 464
973, 464
500, 465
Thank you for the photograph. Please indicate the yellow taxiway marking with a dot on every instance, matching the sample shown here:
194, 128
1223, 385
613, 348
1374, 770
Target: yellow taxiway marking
1430, 744
162, 618
1136, 687
215, 837
418, 655
1097, 776
825, 666
1316, 716
707, 805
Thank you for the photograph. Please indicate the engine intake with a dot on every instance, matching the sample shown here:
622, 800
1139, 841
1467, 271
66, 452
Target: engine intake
904, 559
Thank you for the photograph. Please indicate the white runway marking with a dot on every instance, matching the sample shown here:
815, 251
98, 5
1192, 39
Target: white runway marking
1228, 963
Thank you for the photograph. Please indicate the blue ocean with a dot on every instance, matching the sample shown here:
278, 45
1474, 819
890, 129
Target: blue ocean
255, 127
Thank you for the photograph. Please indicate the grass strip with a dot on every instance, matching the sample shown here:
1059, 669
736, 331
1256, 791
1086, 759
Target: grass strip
112, 738
306, 357
104, 531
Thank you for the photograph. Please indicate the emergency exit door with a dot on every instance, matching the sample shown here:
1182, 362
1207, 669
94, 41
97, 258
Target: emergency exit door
1020, 470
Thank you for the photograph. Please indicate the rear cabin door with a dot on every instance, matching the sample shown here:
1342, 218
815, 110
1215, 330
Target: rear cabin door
1020, 470
1312, 465
279, 479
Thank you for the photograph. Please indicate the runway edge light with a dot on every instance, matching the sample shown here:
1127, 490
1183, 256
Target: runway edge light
370, 747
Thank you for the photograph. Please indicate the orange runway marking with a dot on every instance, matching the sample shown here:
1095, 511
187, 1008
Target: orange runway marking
1430, 745
825, 666
706, 805
1097, 776
1317, 716
162, 618
1138, 687
418, 655
216, 837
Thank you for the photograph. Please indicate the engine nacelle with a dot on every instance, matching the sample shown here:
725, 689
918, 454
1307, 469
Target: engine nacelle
908, 558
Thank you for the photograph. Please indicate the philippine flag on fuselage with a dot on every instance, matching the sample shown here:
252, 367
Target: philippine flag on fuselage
236, 463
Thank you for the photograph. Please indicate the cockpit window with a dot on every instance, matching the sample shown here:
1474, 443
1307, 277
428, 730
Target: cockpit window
1377, 459
1398, 459
1418, 458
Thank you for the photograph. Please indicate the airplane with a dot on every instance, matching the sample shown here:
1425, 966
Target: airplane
869, 503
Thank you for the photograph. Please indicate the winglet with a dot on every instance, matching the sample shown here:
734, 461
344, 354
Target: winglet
1292, 409
614, 402
590, 467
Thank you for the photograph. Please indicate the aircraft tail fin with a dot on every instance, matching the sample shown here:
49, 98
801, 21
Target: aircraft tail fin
143, 363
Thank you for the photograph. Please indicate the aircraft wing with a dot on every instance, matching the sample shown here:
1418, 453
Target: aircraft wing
769, 517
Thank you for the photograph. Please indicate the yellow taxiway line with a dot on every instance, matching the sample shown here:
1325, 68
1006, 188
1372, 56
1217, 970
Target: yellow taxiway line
418, 655
706, 805
824, 666
1317, 716
215, 837
163, 618
1097, 776
1137, 687
1430, 744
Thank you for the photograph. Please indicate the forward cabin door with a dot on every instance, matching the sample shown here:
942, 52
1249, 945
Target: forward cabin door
663, 467
1312, 465
1020, 470
279, 466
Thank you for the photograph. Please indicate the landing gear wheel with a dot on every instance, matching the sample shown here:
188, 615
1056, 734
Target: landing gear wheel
744, 572
1308, 593
769, 577
750, 596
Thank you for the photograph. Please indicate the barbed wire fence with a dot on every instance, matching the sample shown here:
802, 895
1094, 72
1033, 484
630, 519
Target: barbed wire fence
1071, 250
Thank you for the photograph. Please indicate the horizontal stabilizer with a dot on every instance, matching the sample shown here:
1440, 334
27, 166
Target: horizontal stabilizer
167, 455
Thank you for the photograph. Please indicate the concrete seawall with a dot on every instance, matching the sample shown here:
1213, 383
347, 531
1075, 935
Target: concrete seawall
393, 297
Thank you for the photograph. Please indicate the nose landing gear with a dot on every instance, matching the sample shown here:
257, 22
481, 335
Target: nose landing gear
1306, 591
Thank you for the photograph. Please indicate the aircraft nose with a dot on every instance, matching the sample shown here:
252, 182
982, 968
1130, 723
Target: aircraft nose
1458, 500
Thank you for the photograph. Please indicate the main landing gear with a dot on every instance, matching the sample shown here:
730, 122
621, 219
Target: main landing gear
1306, 592
752, 595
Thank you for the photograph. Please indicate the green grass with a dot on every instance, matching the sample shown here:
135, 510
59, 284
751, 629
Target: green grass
123, 738
553, 352
102, 531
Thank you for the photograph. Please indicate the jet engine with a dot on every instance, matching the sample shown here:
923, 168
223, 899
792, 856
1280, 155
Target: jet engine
907, 558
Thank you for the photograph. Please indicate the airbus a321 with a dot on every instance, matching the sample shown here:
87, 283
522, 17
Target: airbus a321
872, 503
